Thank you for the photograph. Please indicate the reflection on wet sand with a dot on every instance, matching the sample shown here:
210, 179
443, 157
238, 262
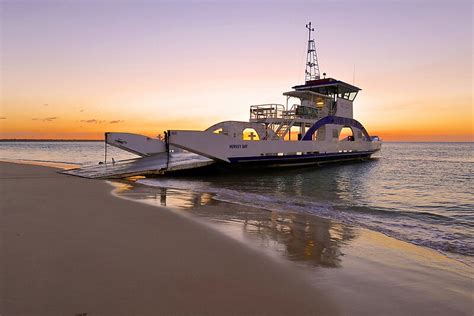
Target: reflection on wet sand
297, 237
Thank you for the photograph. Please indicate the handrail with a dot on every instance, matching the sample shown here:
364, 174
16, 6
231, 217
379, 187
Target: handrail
264, 111
278, 111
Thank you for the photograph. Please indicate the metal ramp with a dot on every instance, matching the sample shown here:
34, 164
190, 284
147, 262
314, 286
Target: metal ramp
152, 165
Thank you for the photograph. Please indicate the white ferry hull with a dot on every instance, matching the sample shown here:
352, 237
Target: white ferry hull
231, 150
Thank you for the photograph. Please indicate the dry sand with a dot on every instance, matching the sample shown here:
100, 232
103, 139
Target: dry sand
69, 247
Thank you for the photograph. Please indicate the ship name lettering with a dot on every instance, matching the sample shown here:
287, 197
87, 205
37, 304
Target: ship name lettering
237, 146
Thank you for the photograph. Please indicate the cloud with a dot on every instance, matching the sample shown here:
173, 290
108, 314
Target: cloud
92, 121
82, 110
95, 121
46, 119
3, 118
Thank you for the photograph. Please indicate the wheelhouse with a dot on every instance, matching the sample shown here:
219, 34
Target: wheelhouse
333, 88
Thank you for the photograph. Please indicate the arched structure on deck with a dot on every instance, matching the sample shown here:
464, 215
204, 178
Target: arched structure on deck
344, 121
237, 128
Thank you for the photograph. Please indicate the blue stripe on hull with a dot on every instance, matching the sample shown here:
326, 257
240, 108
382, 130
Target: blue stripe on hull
303, 159
240, 164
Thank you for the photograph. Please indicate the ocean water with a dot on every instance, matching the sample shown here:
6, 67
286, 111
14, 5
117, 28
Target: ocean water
417, 192
79, 153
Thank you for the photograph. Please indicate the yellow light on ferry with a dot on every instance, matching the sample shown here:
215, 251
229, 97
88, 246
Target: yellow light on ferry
250, 134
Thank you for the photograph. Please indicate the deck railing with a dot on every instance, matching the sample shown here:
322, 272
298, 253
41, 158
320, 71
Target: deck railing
264, 111
277, 111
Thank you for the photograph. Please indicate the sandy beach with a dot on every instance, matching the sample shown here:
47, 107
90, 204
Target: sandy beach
70, 247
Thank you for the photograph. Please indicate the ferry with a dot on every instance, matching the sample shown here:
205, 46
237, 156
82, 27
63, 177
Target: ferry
314, 126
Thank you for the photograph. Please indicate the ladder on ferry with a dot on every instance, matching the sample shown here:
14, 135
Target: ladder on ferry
283, 129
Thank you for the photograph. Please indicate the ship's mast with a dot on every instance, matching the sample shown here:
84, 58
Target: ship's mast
312, 67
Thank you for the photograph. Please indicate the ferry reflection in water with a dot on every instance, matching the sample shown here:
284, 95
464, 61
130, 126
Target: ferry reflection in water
298, 237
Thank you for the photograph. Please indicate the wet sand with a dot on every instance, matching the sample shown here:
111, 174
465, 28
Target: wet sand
363, 271
70, 247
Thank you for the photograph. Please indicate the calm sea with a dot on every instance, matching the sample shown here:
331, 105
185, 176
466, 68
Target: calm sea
417, 192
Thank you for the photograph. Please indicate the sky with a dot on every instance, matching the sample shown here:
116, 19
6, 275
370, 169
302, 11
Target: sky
76, 69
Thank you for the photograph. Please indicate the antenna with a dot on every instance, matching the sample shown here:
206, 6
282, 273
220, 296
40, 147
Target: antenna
312, 66
354, 75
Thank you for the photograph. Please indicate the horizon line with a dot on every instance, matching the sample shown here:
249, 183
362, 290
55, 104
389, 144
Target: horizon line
6, 140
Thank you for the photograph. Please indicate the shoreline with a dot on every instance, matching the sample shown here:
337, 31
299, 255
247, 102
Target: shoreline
409, 274
116, 183
179, 205
41, 163
373, 273
461, 258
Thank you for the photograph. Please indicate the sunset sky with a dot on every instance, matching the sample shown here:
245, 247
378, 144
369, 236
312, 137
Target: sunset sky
75, 69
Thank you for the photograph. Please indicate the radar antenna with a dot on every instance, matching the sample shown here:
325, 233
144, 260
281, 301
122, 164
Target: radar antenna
312, 66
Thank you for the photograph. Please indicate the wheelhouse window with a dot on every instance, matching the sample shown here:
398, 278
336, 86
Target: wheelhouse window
348, 95
352, 96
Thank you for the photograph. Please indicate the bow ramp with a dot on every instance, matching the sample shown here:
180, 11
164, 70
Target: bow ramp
158, 164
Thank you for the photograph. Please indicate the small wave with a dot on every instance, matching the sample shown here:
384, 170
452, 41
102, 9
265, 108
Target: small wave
400, 213
417, 228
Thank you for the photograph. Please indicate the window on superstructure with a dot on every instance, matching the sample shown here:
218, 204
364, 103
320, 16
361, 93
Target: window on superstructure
346, 134
352, 95
250, 134
347, 95
340, 96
